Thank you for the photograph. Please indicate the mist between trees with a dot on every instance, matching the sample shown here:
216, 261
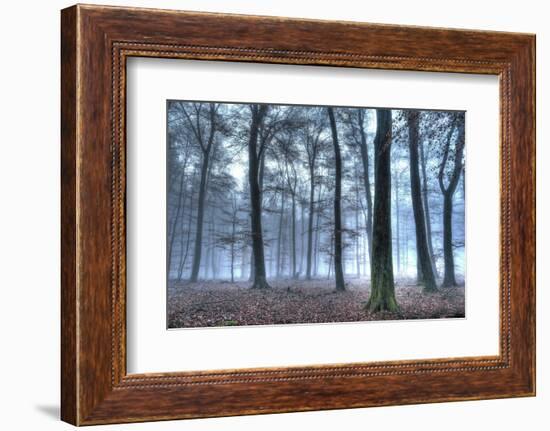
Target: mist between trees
259, 193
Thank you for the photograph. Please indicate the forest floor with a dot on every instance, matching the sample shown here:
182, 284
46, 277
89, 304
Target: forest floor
219, 303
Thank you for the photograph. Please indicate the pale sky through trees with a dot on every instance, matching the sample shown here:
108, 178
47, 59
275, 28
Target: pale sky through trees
286, 185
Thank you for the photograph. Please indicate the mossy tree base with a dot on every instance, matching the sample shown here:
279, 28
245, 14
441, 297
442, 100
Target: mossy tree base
260, 284
382, 303
340, 287
382, 296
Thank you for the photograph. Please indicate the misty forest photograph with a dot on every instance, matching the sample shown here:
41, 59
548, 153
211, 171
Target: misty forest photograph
289, 214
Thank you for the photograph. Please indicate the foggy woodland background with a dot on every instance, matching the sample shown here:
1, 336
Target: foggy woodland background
338, 198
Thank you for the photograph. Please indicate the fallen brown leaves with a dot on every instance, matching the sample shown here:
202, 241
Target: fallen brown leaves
217, 303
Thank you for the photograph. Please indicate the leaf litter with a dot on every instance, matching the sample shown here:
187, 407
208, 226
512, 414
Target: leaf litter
219, 303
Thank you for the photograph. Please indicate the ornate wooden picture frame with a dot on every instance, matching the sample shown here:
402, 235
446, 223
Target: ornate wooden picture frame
96, 41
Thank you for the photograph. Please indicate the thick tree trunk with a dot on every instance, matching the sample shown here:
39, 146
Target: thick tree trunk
382, 295
293, 239
338, 271
280, 234
329, 272
260, 282
183, 259
317, 233
205, 266
449, 277
200, 218
310, 221
448, 192
183, 250
252, 270
422, 251
261, 181
366, 262
206, 152
366, 177
213, 254
427, 207
419, 272
302, 234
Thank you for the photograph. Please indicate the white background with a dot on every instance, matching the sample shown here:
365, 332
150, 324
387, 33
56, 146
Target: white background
29, 220
151, 348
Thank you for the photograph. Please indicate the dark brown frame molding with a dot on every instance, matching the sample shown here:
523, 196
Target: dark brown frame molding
95, 43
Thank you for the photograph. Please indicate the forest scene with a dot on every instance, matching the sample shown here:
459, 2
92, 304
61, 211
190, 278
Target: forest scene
287, 214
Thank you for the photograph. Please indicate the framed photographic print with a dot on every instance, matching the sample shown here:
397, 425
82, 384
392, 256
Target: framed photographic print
266, 215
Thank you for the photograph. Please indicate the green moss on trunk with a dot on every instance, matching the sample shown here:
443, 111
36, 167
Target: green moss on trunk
382, 283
